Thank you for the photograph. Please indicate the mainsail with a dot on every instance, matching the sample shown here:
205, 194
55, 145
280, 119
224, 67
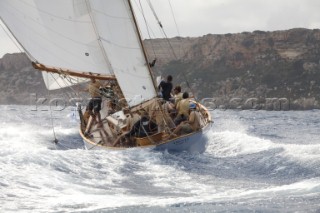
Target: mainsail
91, 36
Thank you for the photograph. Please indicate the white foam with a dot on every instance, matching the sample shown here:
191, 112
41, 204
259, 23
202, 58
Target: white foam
39, 179
231, 144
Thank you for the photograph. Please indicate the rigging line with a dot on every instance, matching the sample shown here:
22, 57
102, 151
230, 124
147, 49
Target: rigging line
64, 93
51, 118
161, 27
83, 96
178, 31
65, 81
154, 13
174, 18
64, 78
147, 27
181, 49
171, 47
145, 131
69, 79
72, 82
77, 93
163, 117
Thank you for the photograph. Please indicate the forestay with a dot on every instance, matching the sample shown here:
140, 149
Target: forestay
97, 36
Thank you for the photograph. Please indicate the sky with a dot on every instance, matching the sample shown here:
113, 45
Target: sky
200, 17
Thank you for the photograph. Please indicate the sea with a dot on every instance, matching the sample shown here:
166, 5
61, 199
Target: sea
255, 161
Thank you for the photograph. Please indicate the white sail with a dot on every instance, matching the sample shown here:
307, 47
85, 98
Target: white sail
97, 36
56, 33
55, 81
120, 40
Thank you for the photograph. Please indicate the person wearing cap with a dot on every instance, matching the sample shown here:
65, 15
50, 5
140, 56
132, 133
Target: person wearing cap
194, 117
192, 124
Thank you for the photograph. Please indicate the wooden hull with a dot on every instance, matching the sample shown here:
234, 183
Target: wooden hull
193, 143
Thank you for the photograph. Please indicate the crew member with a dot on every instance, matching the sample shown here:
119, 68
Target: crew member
165, 87
94, 105
192, 124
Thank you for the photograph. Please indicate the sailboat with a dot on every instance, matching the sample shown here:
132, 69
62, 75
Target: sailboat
73, 41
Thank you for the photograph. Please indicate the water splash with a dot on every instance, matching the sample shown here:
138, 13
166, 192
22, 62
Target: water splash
249, 163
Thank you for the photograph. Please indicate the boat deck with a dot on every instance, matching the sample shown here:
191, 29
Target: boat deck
113, 128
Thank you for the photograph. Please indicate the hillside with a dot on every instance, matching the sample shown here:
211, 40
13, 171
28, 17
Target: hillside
250, 65
260, 65
18, 79
20, 83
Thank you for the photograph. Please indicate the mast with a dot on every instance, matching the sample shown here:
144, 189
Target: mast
146, 60
141, 43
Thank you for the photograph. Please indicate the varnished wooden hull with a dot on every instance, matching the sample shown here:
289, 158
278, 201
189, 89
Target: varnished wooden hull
194, 143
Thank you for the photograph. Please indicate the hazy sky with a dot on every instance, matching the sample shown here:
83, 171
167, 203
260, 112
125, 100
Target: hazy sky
201, 17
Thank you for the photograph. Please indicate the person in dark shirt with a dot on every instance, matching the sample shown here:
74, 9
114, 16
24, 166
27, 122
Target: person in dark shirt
165, 88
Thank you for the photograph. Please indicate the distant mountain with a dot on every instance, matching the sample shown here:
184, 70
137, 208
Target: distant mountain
265, 66
18, 79
20, 83
244, 70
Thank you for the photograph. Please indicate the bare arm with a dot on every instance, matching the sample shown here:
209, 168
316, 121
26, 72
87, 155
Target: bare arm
191, 118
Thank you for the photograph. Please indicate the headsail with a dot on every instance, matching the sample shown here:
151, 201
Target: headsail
120, 39
97, 36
